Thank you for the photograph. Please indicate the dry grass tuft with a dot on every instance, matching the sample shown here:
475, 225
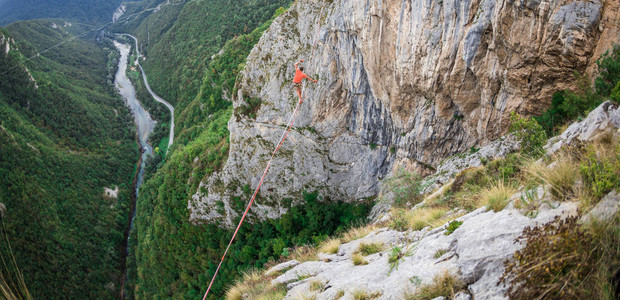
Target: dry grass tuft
358, 260
496, 196
317, 285
364, 295
301, 296
444, 284
562, 178
440, 253
427, 216
254, 285
12, 283
304, 253
358, 233
419, 218
368, 249
330, 246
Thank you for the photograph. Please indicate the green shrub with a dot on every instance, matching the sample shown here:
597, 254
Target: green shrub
452, 226
250, 107
567, 105
399, 221
394, 258
601, 171
529, 133
609, 71
615, 93
406, 187
505, 168
554, 115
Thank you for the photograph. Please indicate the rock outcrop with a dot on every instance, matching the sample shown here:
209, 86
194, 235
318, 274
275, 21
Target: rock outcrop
475, 252
605, 119
401, 83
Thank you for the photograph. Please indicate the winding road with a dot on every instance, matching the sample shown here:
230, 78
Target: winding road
155, 96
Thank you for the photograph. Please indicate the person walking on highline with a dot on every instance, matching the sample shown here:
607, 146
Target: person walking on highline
299, 76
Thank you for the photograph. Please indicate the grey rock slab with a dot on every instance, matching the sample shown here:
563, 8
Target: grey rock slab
605, 117
476, 252
307, 269
605, 210
487, 240
462, 296
281, 267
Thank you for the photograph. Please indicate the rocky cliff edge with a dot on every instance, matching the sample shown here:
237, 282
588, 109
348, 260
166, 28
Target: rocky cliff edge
401, 83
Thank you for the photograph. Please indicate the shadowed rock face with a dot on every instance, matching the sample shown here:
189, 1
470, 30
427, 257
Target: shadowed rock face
401, 83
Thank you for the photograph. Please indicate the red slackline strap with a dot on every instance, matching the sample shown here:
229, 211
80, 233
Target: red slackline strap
247, 209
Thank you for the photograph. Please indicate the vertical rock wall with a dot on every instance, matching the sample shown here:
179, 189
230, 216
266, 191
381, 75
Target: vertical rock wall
401, 83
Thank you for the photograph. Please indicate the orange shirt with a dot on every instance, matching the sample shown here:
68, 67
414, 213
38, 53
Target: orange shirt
299, 75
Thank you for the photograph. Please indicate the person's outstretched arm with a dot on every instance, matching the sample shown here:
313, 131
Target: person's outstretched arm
297, 63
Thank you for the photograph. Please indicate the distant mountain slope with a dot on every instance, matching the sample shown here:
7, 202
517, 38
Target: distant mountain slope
64, 136
86, 11
182, 37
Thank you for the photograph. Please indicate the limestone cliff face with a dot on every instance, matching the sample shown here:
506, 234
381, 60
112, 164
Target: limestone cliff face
401, 83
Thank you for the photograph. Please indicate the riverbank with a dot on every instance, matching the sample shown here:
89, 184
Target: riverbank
145, 125
153, 94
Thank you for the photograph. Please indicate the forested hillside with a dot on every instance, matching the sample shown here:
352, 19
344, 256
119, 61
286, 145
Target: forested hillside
84, 11
64, 136
182, 38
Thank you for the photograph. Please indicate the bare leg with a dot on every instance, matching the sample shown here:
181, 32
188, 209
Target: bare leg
299, 94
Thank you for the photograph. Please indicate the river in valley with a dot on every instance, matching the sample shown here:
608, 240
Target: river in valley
145, 125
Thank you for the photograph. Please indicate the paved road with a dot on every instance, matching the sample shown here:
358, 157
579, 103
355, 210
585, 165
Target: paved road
155, 96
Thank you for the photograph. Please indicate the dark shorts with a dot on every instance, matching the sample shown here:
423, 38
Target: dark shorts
297, 85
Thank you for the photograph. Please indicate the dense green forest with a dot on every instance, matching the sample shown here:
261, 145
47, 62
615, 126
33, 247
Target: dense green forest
64, 135
85, 11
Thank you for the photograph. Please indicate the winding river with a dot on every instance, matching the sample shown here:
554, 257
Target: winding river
145, 125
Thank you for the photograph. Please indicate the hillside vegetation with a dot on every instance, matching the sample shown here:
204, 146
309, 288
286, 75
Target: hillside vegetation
84, 11
181, 39
64, 136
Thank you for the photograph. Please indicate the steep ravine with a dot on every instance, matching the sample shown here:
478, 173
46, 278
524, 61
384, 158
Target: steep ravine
401, 84
145, 125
